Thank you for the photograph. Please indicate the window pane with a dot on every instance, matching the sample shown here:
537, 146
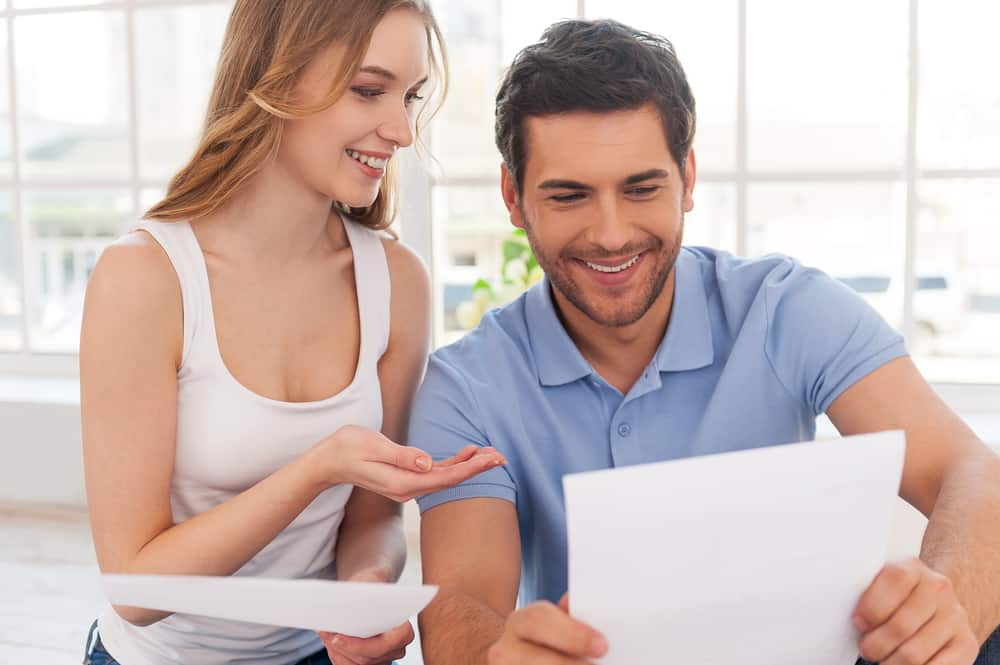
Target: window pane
471, 225
853, 231
705, 37
176, 50
712, 223
5, 157
957, 301
10, 294
67, 232
827, 84
73, 110
959, 122
481, 38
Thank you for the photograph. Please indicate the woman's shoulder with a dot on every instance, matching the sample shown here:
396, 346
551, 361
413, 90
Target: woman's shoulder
133, 285
407, 272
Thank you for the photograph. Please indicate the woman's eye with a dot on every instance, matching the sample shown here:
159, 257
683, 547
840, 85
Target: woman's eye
367, 93
413, 97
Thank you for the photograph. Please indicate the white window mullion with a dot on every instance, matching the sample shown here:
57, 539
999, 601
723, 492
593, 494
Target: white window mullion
742, 203
131, 64
912, 198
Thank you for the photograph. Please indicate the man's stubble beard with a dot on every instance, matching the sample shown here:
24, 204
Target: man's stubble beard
652, 288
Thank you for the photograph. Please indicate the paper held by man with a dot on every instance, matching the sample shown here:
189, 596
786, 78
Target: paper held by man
755, 557
360, 609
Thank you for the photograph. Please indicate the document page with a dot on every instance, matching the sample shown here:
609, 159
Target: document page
353, 608
755, 557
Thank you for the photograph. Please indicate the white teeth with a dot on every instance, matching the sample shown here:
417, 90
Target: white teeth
624, 266
373, 162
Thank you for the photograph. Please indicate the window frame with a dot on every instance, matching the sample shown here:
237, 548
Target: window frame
416, 219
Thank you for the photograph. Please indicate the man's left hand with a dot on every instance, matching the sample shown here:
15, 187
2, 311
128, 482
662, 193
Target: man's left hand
910, 615
384, 648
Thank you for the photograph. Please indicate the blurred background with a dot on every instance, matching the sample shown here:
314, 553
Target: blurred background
862, 138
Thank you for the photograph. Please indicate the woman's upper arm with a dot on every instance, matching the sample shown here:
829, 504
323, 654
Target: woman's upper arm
130, 349
402, 366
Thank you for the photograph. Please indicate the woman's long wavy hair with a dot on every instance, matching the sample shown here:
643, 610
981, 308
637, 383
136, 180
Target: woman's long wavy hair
267, 45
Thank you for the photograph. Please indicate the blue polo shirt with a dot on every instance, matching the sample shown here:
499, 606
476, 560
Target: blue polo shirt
754, 351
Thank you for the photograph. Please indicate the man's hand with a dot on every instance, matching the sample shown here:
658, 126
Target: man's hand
910, 615
384, 648
545, 634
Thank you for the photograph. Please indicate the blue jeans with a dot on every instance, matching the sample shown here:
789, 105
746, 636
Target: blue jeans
94, 652
988, 655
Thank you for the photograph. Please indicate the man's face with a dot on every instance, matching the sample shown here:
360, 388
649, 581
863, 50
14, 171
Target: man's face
603, 205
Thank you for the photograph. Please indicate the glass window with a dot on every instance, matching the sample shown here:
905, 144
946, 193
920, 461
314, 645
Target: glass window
826, 88
172, 92
712, 223
956, 306
959, 119
68, 230
705, 36
5, 156
72, 101
10, 293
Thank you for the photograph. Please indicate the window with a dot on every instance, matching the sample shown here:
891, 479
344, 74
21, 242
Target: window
91, 132
866, 148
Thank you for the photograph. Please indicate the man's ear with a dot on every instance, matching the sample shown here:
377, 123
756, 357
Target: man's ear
690, 171
508, 188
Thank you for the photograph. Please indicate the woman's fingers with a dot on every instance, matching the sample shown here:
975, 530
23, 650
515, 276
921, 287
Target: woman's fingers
463, 455
402, 485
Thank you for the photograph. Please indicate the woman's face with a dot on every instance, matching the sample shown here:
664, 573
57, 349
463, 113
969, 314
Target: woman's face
341, 152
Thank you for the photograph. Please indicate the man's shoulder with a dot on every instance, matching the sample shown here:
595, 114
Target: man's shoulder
500, 339
741, 284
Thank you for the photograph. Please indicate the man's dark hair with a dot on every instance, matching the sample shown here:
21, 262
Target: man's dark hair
596, 66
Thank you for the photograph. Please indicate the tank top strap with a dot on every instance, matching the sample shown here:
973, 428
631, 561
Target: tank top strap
181, 246
371, 277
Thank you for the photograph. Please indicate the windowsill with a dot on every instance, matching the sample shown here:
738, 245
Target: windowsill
39, 390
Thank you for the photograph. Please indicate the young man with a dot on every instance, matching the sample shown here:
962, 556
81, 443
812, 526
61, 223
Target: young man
634, 350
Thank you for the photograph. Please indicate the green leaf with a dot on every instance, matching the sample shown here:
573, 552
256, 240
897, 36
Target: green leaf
483, 285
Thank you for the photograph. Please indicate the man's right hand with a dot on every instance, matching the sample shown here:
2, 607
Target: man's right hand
545, 634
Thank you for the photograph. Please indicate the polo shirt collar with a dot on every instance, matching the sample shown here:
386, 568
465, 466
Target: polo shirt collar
688, 342
686, 346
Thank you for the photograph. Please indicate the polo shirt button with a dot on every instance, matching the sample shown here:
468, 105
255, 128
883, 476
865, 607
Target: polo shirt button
624, 429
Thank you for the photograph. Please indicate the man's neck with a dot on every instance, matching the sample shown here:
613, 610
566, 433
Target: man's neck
619, 354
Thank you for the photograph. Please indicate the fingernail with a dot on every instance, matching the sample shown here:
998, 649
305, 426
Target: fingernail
423, 463
599, 646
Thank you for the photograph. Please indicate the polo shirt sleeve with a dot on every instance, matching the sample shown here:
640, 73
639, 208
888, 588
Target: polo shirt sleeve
445, 419
823, 337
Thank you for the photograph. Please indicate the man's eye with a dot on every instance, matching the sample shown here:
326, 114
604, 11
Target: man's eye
367, 93
643, 191
566, 198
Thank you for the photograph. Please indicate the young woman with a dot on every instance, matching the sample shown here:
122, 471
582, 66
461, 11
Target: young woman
250, 350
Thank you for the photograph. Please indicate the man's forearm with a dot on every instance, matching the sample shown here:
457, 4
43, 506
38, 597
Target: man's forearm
962, 540
457, 629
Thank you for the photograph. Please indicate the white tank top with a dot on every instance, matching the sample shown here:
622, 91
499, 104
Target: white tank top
229, 438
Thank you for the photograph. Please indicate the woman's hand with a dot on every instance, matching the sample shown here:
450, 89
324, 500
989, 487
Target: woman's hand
384, 648
362, 457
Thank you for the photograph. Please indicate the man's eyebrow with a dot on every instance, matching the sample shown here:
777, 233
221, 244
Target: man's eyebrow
651, 174
565, 184
386, 74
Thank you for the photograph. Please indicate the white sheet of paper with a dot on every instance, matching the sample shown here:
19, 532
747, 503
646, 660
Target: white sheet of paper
352, 608
755, 557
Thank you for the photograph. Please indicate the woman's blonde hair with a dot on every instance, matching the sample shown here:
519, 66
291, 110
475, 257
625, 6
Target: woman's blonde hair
267, 45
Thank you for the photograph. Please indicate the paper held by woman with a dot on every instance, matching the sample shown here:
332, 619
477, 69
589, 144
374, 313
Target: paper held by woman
360, 609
